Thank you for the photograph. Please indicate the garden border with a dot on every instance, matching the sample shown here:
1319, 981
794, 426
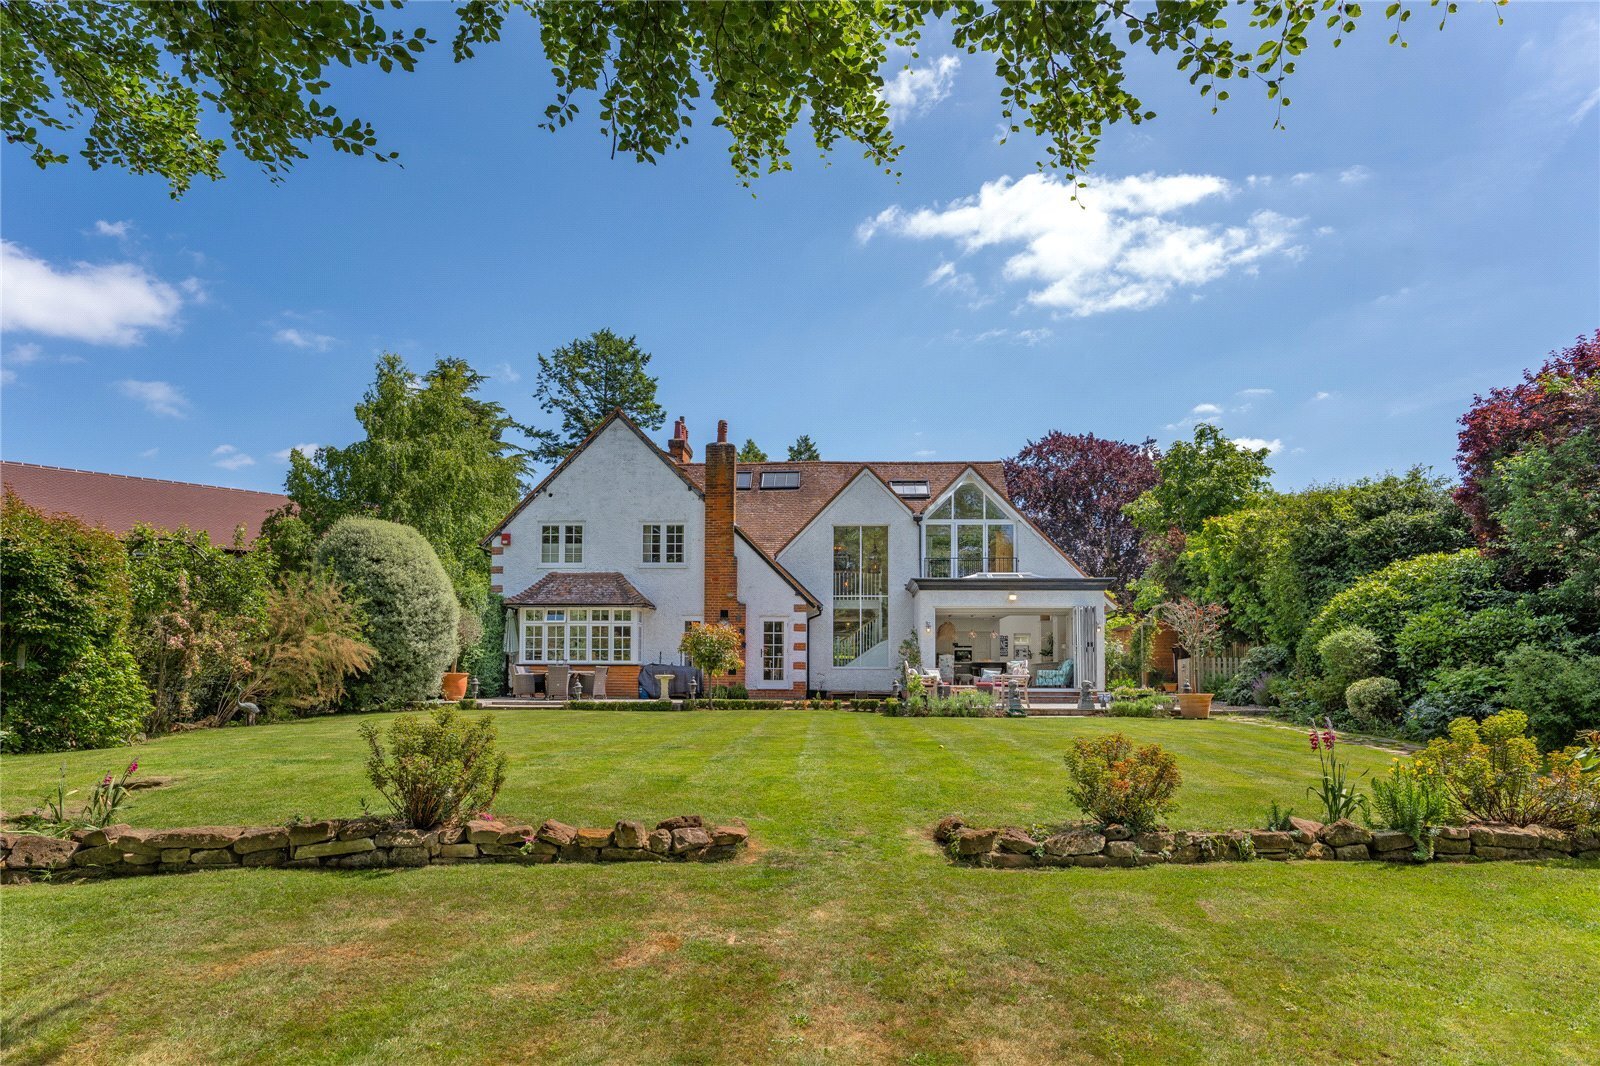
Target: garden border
356, 844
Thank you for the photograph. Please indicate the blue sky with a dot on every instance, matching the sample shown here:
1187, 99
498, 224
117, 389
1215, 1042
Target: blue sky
1426, 227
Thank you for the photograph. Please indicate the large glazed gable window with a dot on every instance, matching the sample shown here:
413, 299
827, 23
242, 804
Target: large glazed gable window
578, 634
967, 534
861, 596
560, 544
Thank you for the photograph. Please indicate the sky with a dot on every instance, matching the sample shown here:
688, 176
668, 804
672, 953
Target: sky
1426, 226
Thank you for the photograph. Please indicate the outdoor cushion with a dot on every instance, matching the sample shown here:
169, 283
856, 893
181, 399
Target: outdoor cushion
1060, 677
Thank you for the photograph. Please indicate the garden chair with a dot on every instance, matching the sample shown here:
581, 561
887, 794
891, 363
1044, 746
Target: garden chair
930, 678
557, 678
598, 689
524, 681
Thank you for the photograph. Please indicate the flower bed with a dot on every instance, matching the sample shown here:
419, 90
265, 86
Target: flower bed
358, 843
1094, 845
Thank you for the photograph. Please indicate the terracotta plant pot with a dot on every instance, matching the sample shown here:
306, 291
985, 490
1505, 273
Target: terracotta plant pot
1170, 686
455, 686
1194, 705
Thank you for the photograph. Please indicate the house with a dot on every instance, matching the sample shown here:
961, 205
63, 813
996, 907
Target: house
118, 502
826, 567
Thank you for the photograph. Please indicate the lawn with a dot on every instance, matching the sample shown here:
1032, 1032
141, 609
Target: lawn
843, 937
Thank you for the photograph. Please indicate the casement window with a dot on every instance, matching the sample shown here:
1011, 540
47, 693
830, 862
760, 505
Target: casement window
578, 634
663, 544
773, 651
560, 544
861, 596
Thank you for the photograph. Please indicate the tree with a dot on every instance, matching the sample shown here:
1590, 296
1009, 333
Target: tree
583, 382
1075, 486
141, 73
713, 649
803, 450
68, 677
1198, 626
751, 452
409, 607
1558, 400
1200, 479
1545, 503
435, 457
1275, 563
311, 645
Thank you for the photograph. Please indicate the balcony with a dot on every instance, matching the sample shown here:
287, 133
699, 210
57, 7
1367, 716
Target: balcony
969, 565
858, 584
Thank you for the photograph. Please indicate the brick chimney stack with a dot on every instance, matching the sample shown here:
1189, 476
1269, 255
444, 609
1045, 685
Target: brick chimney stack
721, 565
678, 448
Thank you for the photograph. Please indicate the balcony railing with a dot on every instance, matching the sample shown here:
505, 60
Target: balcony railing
967, 565
856, 584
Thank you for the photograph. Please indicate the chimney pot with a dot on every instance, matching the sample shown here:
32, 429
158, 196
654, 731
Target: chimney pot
722, 431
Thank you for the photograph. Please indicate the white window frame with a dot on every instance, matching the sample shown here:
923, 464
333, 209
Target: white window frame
542, 629
663, 541
783, 651
568, 550
985, 524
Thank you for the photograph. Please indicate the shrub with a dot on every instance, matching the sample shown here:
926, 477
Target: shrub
1492, 772
1350, 654
312, 645
1121, 785
1373, 699
1559, 693
1445, 637
1384, 600
623, 705
728, 692
68, 678
1250, 684
409, 605
197, 610
1148, 706
1412, 802
489, 663
437, 767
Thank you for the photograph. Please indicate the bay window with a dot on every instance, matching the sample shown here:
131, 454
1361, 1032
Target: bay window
578, 634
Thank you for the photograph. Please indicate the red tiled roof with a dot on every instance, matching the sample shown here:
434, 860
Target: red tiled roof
773, 517
588, 589
118, 502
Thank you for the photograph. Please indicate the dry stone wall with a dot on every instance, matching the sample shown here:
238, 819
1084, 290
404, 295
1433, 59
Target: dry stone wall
1094, 845
358, 843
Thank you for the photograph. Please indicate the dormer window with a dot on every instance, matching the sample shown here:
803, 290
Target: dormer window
914, 490
741, 480
780, 479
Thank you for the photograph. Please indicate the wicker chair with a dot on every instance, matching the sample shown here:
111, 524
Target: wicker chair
524, 681
597, 683
557, 682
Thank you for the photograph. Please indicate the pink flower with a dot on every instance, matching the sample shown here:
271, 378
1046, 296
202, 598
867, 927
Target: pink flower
1327, 739
134, 765
107, 781
1314, 739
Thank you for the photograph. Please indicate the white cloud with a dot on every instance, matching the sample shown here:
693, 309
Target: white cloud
1301, 178
230, 458
301, 338
24, 354
507, 372
1254, 392
1205, 409
306, 450
7, 376
1322, 396
107, 304
149, 453
916, 89
1273, 446
158, 397
1354, 175
1114, 248
112, 229
924, 453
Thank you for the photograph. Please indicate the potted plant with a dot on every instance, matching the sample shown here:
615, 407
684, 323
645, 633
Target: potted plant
469, 630
1198, 627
